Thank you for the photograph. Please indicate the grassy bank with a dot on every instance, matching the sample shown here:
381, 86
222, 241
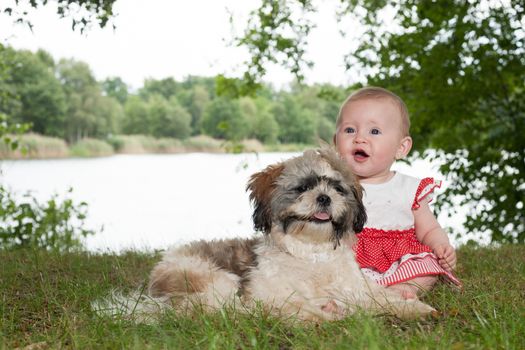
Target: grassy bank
33, 146
46, 303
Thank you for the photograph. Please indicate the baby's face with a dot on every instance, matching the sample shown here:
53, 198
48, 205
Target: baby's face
370, 139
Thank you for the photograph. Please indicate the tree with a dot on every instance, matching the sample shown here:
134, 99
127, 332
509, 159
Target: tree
7, 128
323, 101
110, 114
38, 98
197, 102
135, 116
223, 119
180, 120
168, 118
55, 224
207, 83
87, 112
296, 124
167, 88
460, 66
115, 87
276, 33
81, 12
264, 127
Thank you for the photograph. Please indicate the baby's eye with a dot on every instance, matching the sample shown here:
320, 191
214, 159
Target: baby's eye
375, 131
349, 130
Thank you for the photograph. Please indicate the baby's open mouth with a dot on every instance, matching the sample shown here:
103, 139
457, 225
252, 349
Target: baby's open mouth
360, 154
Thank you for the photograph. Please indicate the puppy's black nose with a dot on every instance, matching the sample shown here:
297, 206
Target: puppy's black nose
324, 200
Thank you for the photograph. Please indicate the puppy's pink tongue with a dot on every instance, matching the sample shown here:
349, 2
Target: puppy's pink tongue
322, 216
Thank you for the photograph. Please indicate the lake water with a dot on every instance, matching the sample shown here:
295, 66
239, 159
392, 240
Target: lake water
153, 201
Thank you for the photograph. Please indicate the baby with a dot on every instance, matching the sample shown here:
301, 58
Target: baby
402, 245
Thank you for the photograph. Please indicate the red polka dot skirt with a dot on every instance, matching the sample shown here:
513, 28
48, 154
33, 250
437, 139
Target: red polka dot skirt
390, 257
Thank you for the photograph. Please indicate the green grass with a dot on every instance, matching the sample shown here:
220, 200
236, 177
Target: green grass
46, 298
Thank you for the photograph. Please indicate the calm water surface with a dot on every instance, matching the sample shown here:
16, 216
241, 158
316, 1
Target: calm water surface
153, 201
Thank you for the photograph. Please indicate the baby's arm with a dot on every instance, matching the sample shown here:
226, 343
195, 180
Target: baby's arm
429, 232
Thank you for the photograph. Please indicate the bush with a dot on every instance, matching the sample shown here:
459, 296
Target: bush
130, 143
203, 143
91, 148
169, 145
54, 225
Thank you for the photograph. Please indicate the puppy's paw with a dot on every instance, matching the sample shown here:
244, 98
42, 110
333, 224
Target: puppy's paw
331, 307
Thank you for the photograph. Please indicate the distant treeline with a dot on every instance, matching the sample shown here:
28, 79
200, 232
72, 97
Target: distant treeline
63, 99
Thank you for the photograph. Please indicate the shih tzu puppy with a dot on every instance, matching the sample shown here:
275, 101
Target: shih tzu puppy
308, 209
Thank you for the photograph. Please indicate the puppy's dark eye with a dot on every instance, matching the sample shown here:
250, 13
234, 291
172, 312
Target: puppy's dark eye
301, 188
340, 190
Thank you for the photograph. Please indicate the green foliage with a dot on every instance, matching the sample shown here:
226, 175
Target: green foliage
296, 124
89, 114
234, 88
167, 118
155, 115
64, 100
115, 87
54, 225
198, 99
37, 96
29, 92
83, 13
263, 125
223, 119
136, 116
91, 148
460, 66
9, 131
166, 88
276, 33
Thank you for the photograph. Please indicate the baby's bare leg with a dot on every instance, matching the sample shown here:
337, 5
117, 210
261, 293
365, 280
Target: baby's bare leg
411, 289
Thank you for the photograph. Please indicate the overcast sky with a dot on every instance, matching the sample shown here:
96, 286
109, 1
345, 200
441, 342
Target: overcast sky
173, 38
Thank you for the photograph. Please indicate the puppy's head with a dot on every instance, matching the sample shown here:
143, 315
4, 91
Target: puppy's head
314, 197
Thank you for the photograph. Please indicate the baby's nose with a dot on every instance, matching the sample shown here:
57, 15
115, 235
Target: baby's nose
359, 138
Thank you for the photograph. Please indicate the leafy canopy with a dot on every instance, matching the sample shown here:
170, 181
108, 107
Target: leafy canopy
83, 13
55, 224
459, 65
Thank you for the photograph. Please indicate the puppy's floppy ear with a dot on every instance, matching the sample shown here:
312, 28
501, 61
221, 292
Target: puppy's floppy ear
261, 186
360, 212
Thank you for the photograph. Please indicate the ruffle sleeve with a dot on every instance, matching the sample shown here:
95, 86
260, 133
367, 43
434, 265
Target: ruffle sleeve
425, 190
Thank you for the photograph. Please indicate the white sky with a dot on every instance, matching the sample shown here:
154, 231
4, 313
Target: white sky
174, 38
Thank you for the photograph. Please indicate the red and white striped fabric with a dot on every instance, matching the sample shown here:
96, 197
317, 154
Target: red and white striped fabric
410, 267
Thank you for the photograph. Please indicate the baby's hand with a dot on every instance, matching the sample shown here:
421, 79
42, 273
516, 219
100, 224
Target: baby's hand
446, 256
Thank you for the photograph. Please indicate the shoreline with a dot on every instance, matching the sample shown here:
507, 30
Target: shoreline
39, 147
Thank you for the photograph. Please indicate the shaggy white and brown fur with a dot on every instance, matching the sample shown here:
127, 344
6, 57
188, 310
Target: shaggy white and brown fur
308, 208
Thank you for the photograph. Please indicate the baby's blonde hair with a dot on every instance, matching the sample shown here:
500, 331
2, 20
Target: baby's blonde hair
374, 92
